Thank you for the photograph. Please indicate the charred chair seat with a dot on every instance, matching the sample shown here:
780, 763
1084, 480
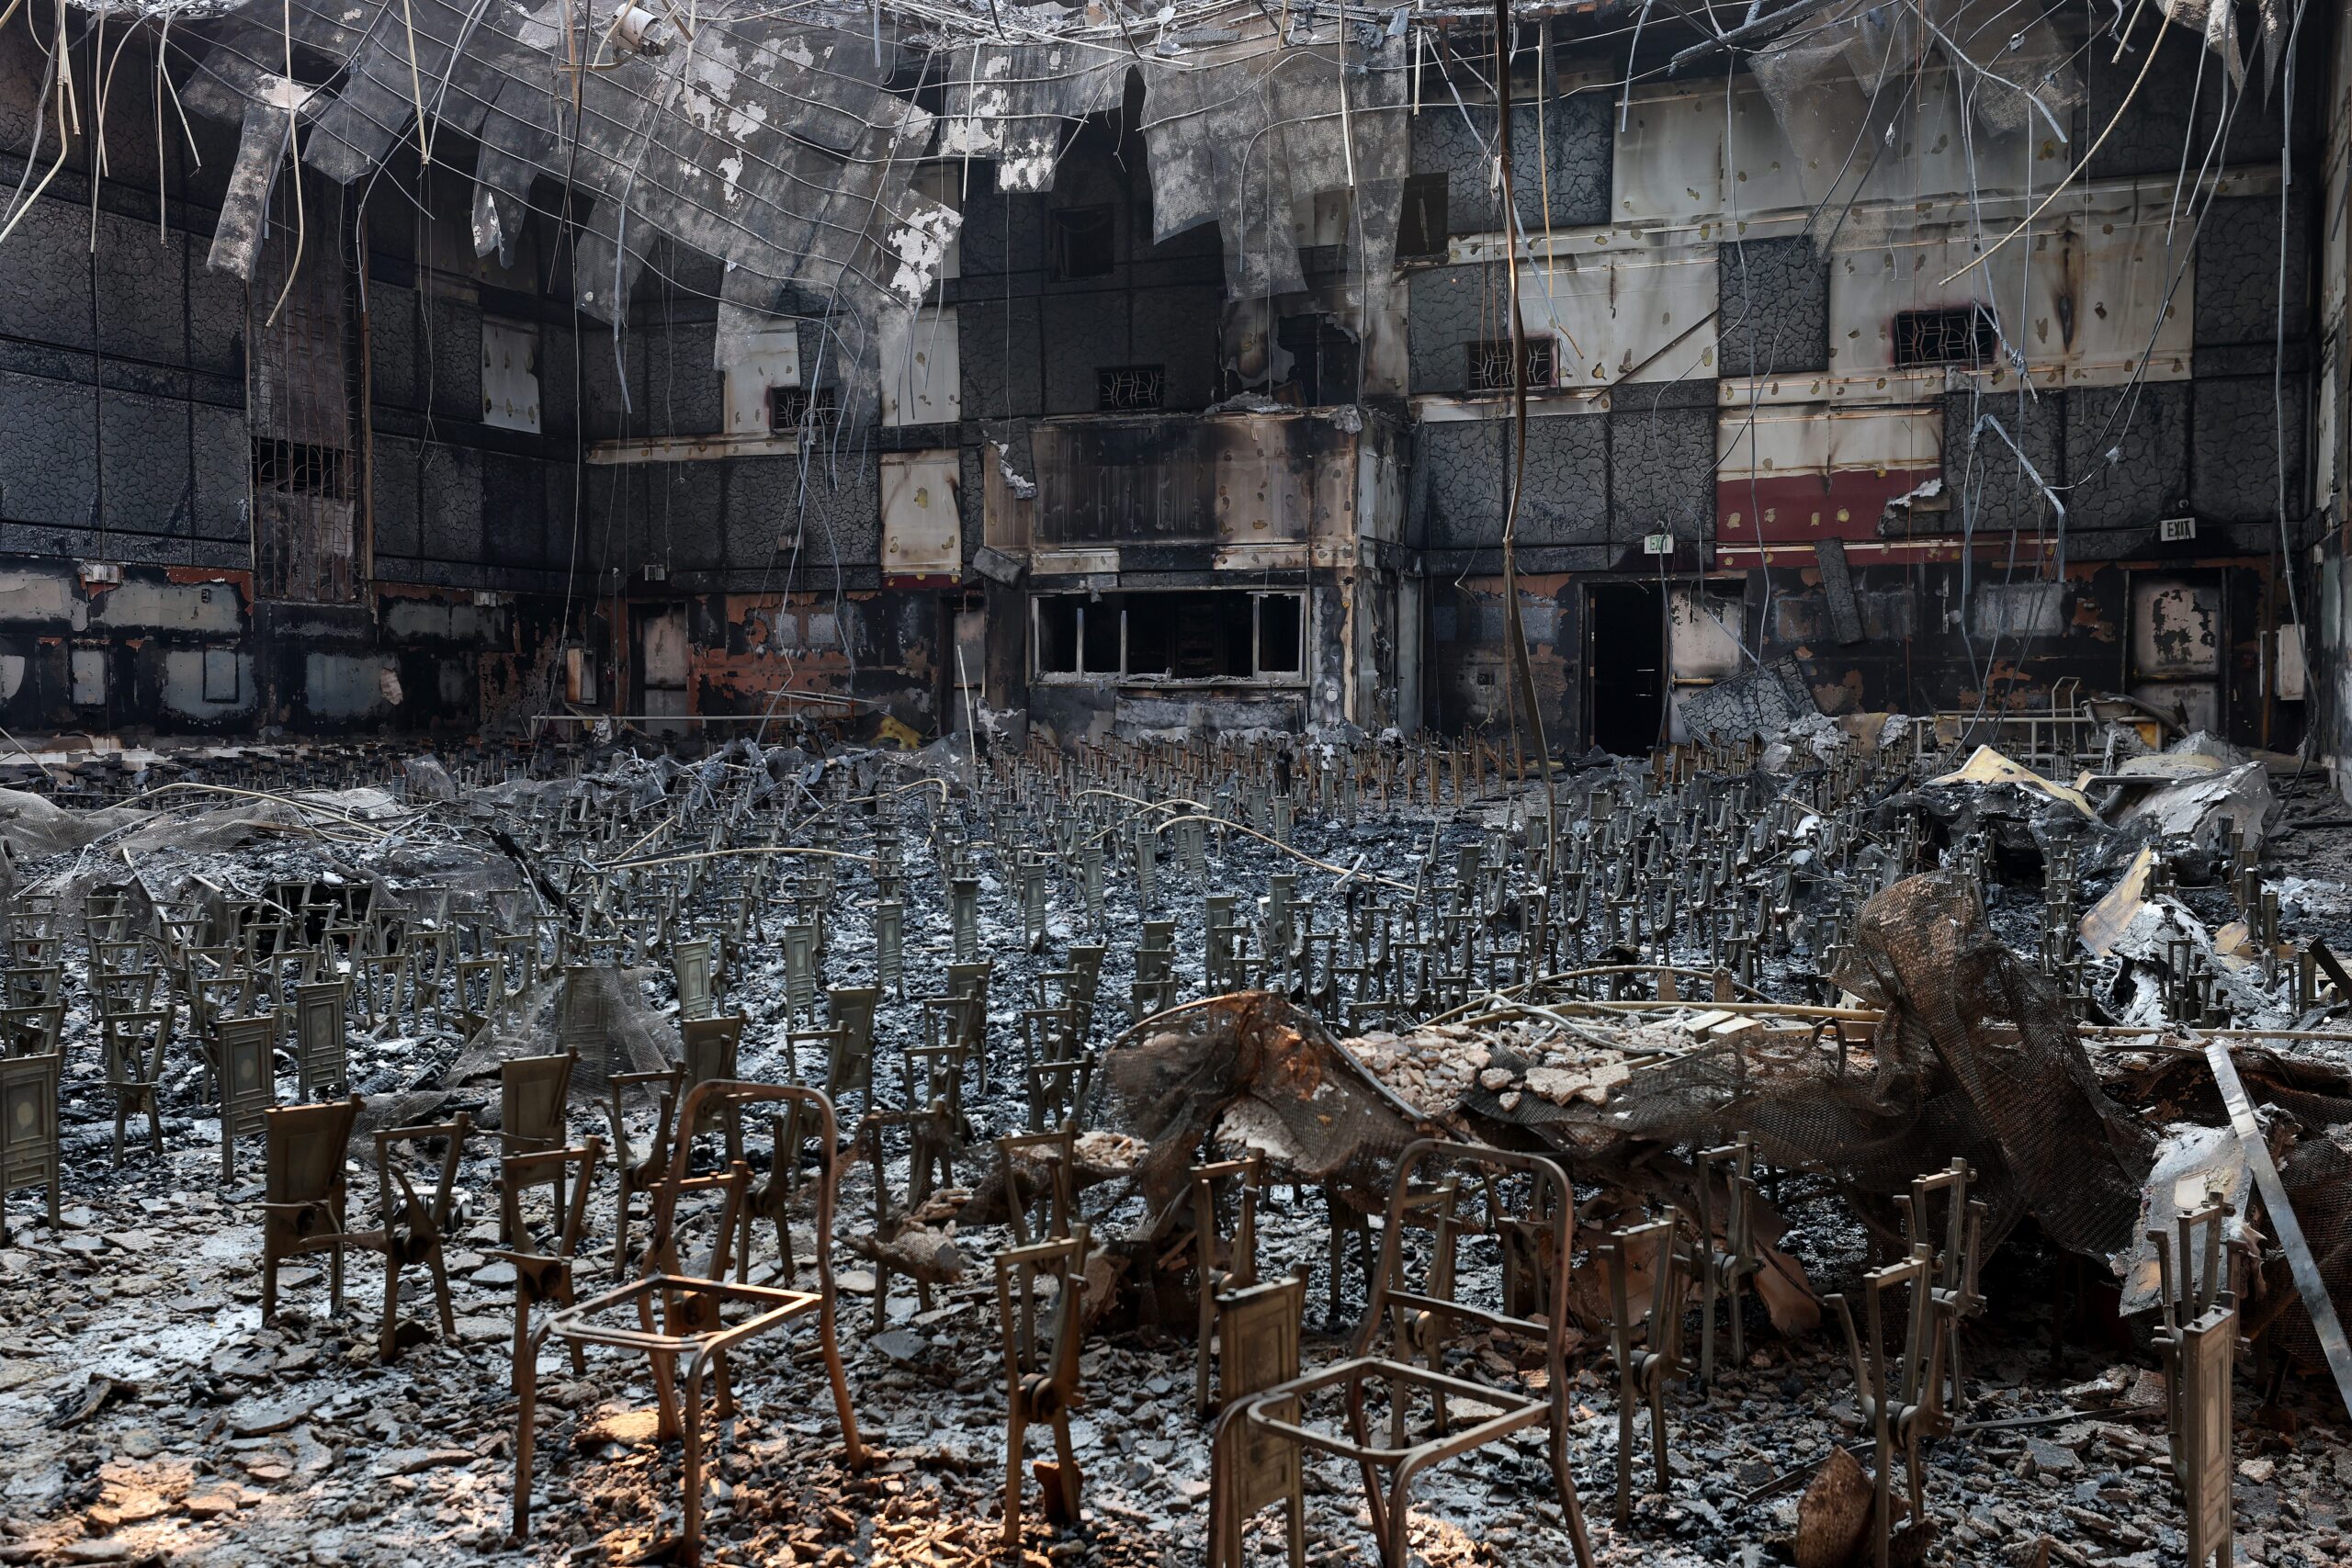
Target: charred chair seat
679, 1315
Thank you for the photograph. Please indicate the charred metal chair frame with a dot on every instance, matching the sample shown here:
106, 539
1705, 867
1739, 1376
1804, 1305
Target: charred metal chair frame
1041, 1384
690, 1306
1643, 1373
542, 1276
1391, 1511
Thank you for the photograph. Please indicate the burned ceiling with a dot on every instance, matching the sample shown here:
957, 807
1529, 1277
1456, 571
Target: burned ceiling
784, 143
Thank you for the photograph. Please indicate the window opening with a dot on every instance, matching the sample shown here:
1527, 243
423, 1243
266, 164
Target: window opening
1081, 242
790, 408
1185, 635
1420, 226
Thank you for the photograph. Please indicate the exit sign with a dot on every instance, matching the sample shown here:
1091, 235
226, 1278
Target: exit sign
1657, 544
2176, 530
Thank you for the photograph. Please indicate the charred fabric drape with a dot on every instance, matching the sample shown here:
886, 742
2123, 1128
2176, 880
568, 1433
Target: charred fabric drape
771, 145
1257, 1071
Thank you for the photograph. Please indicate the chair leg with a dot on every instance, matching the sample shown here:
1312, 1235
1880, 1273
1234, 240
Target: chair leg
1016, 1426
388, 1335
522, 1336
565, 1297
665, 1392
527, 1397
1566, 1485
1206, 1331
268, 1268
1396, 1546
690, 1519
441, 1291
1063, 1507
830, 1338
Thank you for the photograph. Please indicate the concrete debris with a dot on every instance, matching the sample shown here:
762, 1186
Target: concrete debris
2207, 808
1986, 766
1759, 702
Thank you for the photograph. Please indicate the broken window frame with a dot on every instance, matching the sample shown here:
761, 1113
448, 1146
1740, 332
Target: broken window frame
1085, 603
788, 410
1422, 231
309, 513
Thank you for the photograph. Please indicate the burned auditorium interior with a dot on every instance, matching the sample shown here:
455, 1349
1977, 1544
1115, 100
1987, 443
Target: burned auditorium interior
1101, 784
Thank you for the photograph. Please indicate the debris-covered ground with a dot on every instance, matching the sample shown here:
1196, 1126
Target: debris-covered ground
1868, 955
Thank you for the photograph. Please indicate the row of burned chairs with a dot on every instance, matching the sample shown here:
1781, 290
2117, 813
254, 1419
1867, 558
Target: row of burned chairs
1248, 1329
675, 1313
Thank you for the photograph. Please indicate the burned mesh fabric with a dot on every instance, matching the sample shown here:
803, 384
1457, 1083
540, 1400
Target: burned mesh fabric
1949, 986
1240, 138
1265, 1071
766, 142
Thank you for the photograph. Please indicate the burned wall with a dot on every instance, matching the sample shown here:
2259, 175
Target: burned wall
1773, 298
1560, 155
1059, 285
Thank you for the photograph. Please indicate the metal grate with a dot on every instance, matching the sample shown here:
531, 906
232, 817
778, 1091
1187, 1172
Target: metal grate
790, 408
1965, 336
1490, 363
1122, 386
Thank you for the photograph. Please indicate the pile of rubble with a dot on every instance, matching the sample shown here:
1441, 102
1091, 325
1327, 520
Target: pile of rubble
1121, 1041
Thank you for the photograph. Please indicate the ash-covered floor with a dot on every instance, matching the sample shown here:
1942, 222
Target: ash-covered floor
1870, 952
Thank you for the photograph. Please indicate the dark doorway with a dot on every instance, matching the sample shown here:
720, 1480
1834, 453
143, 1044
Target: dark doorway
1625, 666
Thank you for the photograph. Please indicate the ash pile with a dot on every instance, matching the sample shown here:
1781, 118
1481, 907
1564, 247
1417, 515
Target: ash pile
1848, 1143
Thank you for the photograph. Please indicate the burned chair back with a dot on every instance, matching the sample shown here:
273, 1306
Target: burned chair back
708, 1048
32, 1030
847, 1040
28, 1143
635, 1172
1036, 1166
1250, 1466
321, 1023
242, 1056
134, 1044
533, 1095
303, 1194
1223, 1263
694, 966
